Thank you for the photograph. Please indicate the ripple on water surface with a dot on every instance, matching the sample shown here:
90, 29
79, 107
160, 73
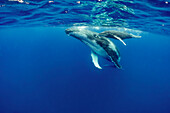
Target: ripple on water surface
146, 15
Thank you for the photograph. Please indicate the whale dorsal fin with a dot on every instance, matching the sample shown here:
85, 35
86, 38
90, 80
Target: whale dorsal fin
95, 60
120, 39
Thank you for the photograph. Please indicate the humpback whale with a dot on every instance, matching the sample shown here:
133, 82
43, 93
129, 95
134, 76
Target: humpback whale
118, 35
100, 46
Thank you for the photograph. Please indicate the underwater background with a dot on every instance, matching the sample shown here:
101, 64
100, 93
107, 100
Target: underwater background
42, 70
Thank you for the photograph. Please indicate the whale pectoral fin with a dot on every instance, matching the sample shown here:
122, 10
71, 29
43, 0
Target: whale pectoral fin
120, 39
116, 62
114, 57
135, 36
95, 60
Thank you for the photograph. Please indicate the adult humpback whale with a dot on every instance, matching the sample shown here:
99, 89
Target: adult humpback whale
118, 35
101, 46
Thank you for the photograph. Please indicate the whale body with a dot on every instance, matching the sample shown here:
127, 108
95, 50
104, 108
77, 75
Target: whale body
100, 45
118, 35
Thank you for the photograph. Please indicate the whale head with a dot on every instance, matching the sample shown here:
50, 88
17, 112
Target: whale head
76, 33
81, 33
71, 30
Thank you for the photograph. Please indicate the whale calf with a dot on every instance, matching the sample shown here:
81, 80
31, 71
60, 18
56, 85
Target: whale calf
118, 35
100, 46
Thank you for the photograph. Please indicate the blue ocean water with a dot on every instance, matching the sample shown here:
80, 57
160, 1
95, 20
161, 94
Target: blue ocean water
42, 70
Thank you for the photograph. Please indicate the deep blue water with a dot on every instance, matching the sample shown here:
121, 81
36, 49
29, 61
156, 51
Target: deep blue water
42, 70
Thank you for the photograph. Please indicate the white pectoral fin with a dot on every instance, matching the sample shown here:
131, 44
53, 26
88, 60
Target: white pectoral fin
120, 39
95, 60
135, 36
